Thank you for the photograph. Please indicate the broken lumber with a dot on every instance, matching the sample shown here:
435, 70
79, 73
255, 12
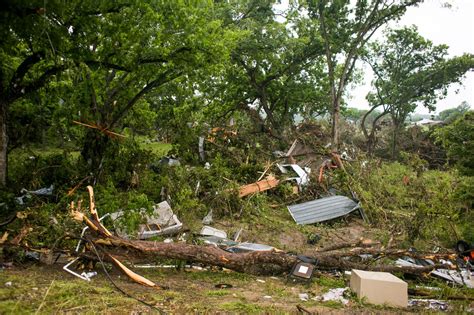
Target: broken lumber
259, 186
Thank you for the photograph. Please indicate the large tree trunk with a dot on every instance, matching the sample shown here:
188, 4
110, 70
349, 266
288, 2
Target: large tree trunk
335, 122
266, 262
3, 143
396, 130
94, 149
112, 248
258, 263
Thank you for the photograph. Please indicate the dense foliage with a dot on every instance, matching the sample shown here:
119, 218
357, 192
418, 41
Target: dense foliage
96, 92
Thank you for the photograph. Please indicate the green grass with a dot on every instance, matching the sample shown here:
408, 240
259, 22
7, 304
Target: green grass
158, 148
28, 295
330, 282
222, 292
242, 307
221, 277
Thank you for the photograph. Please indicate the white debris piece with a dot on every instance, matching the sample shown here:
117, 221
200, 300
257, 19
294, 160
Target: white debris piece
303, 174
334, 295
210, 231
208, 218
303, 296
429, 304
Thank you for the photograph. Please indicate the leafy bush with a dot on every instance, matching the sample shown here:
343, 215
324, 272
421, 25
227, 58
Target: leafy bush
422, 204
458, 140
33, 171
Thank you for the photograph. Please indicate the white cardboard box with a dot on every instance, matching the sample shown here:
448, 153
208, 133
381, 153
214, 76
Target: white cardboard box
379, 287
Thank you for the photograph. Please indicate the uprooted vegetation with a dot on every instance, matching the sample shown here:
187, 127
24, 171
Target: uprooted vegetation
208, 152
405, 203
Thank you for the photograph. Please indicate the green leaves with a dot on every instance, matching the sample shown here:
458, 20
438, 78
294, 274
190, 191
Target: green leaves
458, 140
411, 71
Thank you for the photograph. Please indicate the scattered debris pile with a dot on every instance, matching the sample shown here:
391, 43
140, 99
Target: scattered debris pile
161, 222
243, 257
370, 264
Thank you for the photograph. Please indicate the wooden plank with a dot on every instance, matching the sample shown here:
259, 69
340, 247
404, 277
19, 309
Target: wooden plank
259, 186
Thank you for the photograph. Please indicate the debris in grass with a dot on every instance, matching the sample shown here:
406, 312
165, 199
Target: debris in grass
302, 178
336, 294
210, 231
303, 296
462, 277
303, 269
161, 222
266, 184
323, 209
89, 274
170, 161
208, 218
429, 304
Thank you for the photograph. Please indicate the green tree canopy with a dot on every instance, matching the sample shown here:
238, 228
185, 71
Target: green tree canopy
451, 114
458, 140
410, 71
345, 28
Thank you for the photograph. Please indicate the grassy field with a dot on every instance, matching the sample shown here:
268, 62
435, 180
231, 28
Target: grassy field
48, 290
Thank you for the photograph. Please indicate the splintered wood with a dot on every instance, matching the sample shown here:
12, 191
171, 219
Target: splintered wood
259, 186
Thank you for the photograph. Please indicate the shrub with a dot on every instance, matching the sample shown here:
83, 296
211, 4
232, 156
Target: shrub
424, 204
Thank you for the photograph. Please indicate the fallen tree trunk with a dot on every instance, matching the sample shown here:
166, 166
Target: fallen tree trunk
110, 248
258, 263
264, 262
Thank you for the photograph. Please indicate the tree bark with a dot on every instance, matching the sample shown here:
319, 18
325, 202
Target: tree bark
3, 143
257, 263
335, 122
112, 248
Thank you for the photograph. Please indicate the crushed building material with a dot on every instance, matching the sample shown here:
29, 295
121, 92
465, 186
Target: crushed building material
46, 191
379, 287
323, 209
463, 276
336, 294
429, 304
161, 222
303, 174
210, 231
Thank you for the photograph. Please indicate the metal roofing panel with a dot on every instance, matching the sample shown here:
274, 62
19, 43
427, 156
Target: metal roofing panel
320, 210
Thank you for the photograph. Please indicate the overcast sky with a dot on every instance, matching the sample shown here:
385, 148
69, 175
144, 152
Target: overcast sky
451, 26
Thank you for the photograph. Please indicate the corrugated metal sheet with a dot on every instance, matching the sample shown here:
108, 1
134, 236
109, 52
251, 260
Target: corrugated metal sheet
323, 209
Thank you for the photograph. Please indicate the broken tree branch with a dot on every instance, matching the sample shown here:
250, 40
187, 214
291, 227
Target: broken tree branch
258, 262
